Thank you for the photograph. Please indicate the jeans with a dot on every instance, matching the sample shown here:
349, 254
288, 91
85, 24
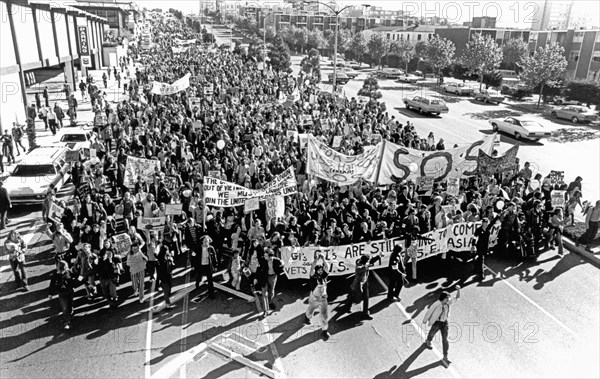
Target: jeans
268, 290
442, 326
395, 284
365, 298
166, 287
109, 290
19, 271
205, 270
66, 305
137, 282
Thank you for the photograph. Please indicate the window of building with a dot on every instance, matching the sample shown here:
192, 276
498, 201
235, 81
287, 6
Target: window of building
533, 37
388, 36
574, 56
596, 56
430, 36
578, 37
418, 37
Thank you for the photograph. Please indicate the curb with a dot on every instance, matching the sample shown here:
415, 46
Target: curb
593, 258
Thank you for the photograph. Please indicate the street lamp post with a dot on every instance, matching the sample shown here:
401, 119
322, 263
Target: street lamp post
335, 36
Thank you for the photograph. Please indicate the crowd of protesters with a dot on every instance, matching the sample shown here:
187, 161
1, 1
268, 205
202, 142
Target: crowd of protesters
243, 109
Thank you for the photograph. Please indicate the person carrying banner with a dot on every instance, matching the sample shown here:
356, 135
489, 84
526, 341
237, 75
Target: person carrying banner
359, 290
397, 274
317, 299
437, 318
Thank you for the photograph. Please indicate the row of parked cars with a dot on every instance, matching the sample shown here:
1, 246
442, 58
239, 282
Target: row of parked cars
46, 166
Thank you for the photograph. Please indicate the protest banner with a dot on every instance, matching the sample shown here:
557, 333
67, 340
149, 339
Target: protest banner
453, 186
214, 173
341, 260
325, 124
326, 163
291, 134
221, 193
305, 120
208, 90
337, 141
275, 207
179, 49
173, 209
558, 198
139, 167
93, 153
251, 205
72, 156
122, 243
425, 183
151, 224
302, 140
401, 163
182, 84
489, 165
557, 177
56, 212
83, 189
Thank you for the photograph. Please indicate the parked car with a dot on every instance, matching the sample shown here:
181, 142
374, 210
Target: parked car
31, 179
342, 77
458, 88
425, 105
562, 100
488, 96
520, 128
389, 73
78, 139
519, 91
339, 63
575, 113
354, 64
409, 78
352, 74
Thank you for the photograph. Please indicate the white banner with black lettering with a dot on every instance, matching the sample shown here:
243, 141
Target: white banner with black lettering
139, 167
221, 193
326, 163
182, 84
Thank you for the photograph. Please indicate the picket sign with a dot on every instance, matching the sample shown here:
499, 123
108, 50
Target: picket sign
251, 205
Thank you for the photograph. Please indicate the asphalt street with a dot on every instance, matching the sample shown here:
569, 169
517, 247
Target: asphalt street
526, 319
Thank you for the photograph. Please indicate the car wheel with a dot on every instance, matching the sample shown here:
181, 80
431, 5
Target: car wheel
421, 110
575, 120
407, 106
553, 115
495, 127
558, 102
485, 100
517, 136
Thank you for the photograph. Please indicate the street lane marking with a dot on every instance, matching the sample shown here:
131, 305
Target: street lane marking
184, 320
529, 300
147, 371
417, 327
167, 370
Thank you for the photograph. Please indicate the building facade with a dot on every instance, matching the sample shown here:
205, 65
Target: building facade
43, 36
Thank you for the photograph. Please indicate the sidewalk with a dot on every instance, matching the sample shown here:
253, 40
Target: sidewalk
593, 256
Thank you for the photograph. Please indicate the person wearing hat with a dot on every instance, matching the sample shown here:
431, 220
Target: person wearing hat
437, 318
397, 274
317, 299
359, 290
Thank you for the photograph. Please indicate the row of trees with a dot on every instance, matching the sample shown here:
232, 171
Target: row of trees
543, 71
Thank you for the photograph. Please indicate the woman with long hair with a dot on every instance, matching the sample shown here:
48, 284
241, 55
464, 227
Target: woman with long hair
15, 246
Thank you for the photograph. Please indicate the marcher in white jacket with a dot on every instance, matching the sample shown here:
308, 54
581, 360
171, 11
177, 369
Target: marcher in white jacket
437, 318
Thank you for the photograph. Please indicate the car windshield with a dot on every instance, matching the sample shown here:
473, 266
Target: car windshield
436, 102
581, 110
34, 170
531, 123
73, 138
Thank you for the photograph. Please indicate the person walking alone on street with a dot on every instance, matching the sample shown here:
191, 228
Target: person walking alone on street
15, 247
52, 121
318, 294
17, 133
397, 274
164, 272
60, 115
437, 318
7, 147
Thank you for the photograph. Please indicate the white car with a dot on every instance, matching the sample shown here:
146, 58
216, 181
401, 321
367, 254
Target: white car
520, 128
409, 78
31, 179
488, 96
78, 139
459, 89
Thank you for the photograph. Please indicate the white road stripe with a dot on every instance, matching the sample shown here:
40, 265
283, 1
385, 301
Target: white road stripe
147, 366
417, 327
529, 300
184, 321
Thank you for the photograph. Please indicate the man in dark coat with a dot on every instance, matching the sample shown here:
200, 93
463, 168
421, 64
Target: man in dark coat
397, 274
5, 205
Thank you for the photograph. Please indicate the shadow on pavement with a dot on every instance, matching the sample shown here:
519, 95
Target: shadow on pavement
403, 371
